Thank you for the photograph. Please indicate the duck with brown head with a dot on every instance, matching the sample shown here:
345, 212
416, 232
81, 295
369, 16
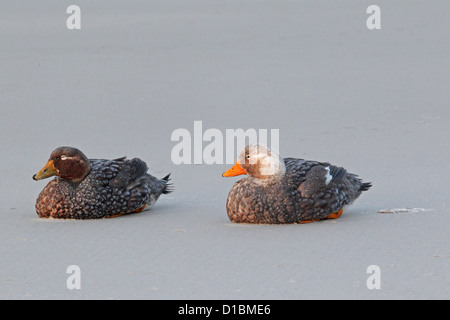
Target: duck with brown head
66, 162
95, 188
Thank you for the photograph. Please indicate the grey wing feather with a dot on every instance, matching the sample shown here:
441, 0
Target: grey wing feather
337, 173
315, 181
138, 168
316, 178
129, 172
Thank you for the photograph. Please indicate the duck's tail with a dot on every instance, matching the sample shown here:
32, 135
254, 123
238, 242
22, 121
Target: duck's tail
365, 186
168, 187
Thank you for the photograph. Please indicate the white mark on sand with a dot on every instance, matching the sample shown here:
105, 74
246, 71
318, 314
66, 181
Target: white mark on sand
404, 210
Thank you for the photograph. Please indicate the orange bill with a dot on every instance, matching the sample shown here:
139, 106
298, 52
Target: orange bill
235, 170
48, 170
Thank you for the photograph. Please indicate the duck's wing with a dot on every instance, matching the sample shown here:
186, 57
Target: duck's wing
128, 172
310, 177
297, 170
319, 177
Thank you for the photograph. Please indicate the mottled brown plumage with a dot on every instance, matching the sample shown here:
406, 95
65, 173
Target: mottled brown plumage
288, 190
94, 188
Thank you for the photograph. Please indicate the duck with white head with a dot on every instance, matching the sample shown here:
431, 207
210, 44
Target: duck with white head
288, 190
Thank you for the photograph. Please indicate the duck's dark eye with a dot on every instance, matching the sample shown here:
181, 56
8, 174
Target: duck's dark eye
247, 156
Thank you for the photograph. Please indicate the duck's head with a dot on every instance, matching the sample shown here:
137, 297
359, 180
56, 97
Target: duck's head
259, 162
65, 162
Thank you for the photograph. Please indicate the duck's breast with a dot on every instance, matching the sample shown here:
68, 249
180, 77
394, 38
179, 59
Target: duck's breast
253, 201
55, 200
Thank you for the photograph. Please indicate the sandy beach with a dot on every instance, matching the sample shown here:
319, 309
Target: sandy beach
373, 101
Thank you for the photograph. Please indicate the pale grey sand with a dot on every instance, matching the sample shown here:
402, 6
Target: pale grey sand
375, 102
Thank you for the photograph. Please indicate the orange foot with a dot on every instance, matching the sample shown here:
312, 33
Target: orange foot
140, 209
308, 221
135, 211
116, 215
335, 215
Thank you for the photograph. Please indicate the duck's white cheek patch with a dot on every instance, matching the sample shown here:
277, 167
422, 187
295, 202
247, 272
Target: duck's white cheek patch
270, 169
328, 177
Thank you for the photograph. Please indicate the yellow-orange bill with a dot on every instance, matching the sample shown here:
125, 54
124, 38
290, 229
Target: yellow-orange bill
48, 170
235, 170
